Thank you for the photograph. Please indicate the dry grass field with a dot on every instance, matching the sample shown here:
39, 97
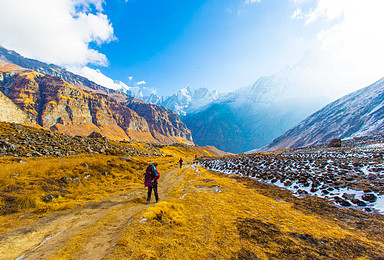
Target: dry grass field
92, 206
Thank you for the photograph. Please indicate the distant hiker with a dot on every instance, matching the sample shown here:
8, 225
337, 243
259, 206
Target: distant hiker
151, 177
195, 156
181, 162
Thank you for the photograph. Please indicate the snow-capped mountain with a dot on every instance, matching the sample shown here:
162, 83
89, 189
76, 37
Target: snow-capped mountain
256, 114
357, 114
186, 100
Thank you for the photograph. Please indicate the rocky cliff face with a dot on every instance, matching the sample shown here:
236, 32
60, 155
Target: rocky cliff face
358, 114
59, 106
9, 112
164, 124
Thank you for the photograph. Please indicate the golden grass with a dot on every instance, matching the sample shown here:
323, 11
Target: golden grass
236, 223
24, 186
186, 153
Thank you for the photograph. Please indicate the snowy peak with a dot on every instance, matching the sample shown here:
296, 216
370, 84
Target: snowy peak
186, 100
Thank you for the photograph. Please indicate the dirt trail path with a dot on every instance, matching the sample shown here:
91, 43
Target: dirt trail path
90, 232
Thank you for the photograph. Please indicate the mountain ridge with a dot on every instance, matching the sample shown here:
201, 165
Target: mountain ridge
57, 105
259, 112
356, 114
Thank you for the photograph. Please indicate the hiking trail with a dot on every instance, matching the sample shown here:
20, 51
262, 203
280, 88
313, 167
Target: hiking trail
94, 227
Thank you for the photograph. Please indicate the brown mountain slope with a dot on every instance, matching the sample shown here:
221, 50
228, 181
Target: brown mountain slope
59, 106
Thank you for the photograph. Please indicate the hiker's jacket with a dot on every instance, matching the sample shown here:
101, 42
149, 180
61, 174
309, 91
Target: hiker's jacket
151, 176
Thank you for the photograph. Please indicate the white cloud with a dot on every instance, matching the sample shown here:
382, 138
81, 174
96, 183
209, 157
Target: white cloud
130, 77
297, 14
141, 82
350, 39
252, 1
57, 31
98, 77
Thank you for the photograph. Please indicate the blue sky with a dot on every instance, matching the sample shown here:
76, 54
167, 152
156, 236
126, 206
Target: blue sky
215, 44
224, 45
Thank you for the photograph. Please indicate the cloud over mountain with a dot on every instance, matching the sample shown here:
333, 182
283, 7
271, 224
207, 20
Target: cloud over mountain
58, 32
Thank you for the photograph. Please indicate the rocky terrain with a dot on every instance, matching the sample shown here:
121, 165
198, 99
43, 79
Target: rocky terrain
54, 104
351, 176
23, 141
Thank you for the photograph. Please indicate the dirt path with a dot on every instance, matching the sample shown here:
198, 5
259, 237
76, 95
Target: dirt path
89, 232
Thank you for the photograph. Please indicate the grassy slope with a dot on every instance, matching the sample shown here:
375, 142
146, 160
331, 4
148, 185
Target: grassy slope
246, 220
25, 183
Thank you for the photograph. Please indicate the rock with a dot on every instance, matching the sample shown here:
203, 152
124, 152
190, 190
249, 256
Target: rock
313, 190
77, 180
336, 142
126, 159
302, 192
87, 177
348, 196
358, 202
207, 180
369, 197
105, 173
95, 135
50, 197
341, 201
64, 179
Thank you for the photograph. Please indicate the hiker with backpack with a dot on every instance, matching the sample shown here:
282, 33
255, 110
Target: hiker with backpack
151, 177
181, 162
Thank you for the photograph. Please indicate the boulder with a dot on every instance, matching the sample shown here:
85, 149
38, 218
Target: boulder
341, 201
358, 202
336, 142
369, 197
76, 179
95, 135
50, 197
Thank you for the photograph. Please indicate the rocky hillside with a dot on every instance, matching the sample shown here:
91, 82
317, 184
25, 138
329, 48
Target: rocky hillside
57, 105
357, 114
164, 125
24, 141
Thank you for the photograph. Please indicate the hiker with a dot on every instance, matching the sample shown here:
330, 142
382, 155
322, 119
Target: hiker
181, 162
151, 177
